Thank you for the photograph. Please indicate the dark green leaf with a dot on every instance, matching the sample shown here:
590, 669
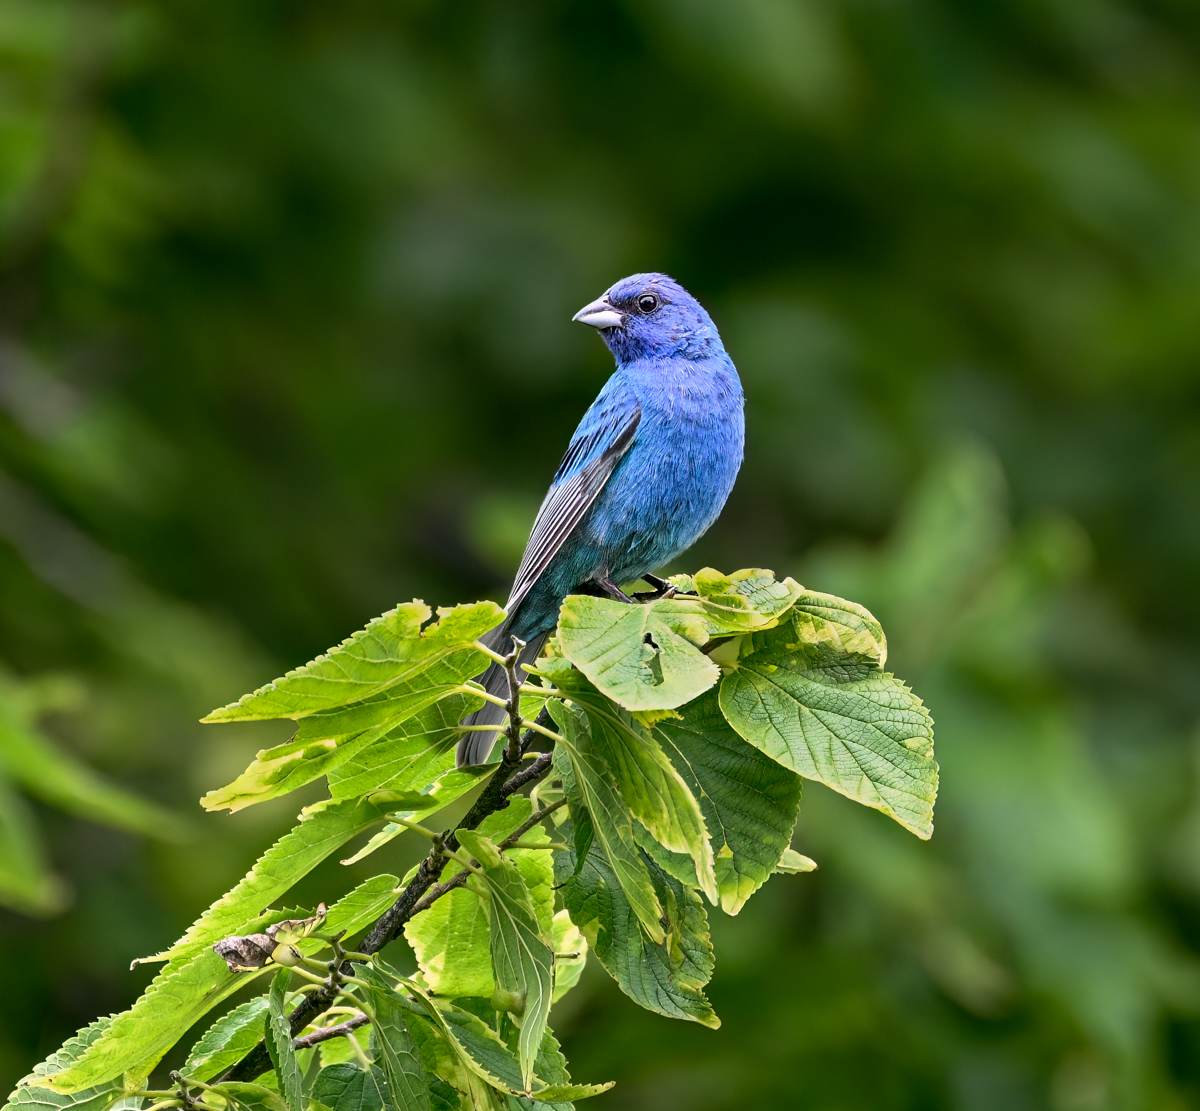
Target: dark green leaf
750, 802
835, 718
477, 1046
666, 977
651, 788
583, 831
558, 1089
350, 1088
613, 829
448, 1084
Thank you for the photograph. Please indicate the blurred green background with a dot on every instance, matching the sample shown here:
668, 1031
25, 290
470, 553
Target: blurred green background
285, 291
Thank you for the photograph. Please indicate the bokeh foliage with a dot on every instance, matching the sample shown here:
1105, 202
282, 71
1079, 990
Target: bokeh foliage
285, 300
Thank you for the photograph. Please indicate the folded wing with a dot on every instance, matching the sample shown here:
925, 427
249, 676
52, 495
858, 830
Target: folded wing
569, 499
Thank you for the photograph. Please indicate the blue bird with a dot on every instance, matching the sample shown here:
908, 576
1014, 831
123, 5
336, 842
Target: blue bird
646, 473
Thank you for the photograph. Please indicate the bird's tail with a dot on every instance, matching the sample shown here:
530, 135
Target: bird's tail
476, 746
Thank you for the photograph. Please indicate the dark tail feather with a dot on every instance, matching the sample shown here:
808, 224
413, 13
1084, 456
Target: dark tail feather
476, 746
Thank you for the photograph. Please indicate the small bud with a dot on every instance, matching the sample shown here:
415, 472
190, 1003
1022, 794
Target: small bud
296, 928
287, 955
511, 1001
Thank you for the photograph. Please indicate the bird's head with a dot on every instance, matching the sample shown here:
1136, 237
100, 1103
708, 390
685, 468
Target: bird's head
651, 314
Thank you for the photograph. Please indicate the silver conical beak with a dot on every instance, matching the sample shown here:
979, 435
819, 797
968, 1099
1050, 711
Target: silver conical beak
599, 314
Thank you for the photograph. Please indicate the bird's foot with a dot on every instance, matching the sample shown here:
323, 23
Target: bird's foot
662, 589
610, 588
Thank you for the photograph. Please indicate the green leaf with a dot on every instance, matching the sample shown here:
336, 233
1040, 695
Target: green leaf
591, 788
179, 996
552, 1071
477, 1046
394, 1045
450, 941
323, 829
644, 657
390, 651
838, 719
666, 977
326, 741
452, 938
750, 802
412, 756
454, 784
359, 908
450, 1078
279, 1043
227, 1041
566, 938
650, 786
351, 697
349, 1088
522, 959
851, 629
647, 657
583, 830
29, 1096
250, 1097
416, 757
480, 1049
741, 602
792, 862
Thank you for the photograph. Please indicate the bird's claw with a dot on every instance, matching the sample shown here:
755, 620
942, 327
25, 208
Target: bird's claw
647, 596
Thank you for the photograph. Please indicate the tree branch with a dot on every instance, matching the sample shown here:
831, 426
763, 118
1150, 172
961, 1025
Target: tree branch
458, 880
420, 892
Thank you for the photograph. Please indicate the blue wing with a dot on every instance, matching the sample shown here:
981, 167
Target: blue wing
593, 454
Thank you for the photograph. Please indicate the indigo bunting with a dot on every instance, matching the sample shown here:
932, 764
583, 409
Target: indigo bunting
646, 473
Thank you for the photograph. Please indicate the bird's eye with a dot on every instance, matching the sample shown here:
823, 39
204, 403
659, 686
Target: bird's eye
647, 302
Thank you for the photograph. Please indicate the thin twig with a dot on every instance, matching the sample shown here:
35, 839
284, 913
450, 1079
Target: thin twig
511, 841
513, 705
324, 1033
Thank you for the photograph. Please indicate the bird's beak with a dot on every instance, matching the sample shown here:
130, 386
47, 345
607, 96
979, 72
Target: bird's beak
599, 314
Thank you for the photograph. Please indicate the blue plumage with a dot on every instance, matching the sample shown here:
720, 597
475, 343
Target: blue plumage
646, 473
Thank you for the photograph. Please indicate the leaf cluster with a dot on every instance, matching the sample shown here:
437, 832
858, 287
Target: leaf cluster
679, 732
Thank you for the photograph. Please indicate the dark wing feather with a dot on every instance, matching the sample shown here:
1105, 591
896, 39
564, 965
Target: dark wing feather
566, 504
